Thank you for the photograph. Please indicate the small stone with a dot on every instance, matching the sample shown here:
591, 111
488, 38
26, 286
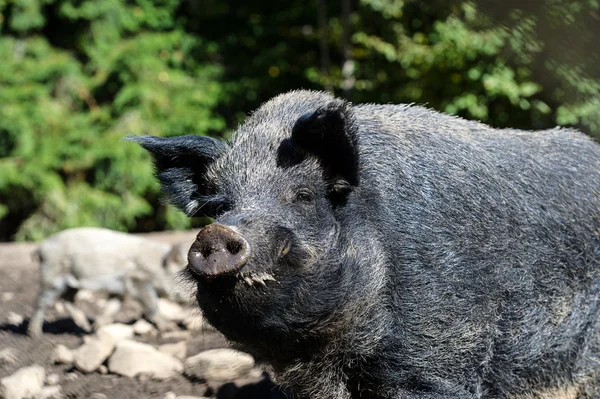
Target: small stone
170, 395
178, 350
171, 311
79, 317
62, 355
60, 308
24, 383
52, 379
164, 325
219, 365
195, 322
110, 309
103, 369
8, 356
142, 327
85, 295
112, 306
52, 392
177, 335
116, 331
7, 296
14, 318
89, 356
133, 358
72, 376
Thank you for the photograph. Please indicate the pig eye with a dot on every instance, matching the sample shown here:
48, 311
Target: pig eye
304, 195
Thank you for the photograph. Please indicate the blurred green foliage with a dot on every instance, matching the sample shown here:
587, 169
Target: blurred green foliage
77, 75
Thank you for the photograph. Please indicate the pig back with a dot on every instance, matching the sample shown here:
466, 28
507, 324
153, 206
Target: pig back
89, 252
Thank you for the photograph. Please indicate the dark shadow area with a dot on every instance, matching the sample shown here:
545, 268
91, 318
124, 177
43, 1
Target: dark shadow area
61, 326
263, 389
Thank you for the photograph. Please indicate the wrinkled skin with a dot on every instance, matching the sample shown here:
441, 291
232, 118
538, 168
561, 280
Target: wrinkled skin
396, 252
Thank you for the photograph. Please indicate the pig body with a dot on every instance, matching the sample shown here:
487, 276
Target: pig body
100, 260
390, 251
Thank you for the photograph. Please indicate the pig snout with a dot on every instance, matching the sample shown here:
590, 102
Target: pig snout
218, 250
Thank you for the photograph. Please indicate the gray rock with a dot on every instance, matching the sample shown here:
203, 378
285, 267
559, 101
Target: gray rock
51, 392
79, 317
62, 355
116, 331
7, 296
14, 318
52, 379
142, 327
177, 335
24, 383
8, 356
85, 295
171, 311
59, 307
134, 358
89, 356
219, 365
178, 349
110, 309
72, 376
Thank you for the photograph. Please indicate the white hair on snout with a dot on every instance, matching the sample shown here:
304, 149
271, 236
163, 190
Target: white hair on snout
252, 279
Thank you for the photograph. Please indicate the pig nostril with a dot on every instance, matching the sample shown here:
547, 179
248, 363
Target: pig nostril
234, 247
205, 251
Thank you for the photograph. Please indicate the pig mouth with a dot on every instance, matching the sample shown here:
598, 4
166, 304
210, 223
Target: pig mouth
252, 279
245, 277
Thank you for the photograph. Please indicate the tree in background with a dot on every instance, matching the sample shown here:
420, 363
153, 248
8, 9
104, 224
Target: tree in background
529, 65
77, 75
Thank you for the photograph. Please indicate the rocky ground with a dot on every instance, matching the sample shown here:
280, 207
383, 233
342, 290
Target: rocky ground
126, 359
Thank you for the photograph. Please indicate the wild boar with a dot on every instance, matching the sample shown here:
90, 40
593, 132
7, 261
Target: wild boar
101, 259
391, 251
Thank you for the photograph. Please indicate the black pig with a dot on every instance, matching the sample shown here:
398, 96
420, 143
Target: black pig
390, 251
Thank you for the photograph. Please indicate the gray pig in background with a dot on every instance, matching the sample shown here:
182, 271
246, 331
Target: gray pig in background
103, 260
390, 251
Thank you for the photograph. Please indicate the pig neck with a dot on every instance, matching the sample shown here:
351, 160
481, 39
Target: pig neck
339, 360
339, 369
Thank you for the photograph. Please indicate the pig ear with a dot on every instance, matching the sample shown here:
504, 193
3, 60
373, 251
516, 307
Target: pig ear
328, 134
180, 165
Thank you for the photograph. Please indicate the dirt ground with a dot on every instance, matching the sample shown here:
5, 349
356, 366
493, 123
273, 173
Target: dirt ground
19, 284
